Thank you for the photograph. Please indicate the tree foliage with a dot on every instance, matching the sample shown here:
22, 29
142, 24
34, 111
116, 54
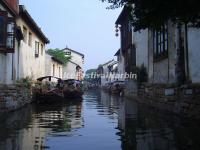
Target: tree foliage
60, 55
154, 13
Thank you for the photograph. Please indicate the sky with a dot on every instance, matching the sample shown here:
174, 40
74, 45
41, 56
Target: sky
82, 25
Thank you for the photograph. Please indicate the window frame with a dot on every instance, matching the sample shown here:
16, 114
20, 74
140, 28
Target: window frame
160, 43
4, 14
68, 53
4, 47
37, 51
30, 38
12, 34
25, 35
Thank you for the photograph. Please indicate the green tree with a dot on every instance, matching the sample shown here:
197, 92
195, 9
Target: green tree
154, 13
60, 55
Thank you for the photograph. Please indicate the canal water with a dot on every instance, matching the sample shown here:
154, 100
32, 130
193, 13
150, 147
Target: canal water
98, 122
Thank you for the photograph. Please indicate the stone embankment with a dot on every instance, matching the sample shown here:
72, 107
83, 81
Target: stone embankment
13, 97
184, 100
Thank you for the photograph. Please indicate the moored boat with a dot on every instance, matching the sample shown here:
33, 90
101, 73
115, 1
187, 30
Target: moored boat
48, 89
72, 89
118, 88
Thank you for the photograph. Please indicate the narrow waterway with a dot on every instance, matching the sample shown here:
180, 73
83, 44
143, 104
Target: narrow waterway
98, 122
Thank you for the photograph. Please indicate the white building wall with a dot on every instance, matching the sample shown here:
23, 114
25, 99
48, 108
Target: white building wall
114, 75
31, 66
104, 79
140, 39
76, 58
121, 67
194, 54
107, 76
163, 71
69, 70
49, 63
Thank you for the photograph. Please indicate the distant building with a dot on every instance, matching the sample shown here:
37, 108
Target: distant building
74, 68
53, 66
108, 72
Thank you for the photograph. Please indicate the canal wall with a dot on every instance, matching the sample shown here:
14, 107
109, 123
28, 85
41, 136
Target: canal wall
184, 100
13, 97
131, 88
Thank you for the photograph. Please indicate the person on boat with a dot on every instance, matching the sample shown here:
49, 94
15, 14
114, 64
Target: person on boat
60, 84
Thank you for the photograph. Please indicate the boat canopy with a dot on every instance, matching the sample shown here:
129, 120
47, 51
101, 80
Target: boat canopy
72, 81
48, 77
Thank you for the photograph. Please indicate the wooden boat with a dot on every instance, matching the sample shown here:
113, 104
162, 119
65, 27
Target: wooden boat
72, 89
48, 90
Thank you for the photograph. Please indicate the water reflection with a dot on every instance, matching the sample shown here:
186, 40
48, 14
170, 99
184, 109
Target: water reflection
29, 127
98, 122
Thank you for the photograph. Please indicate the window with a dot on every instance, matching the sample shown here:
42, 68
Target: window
68, 53
42, 49
37, 49
25, 34
3, 24
160, 43
10, 34
30, 39
7, 32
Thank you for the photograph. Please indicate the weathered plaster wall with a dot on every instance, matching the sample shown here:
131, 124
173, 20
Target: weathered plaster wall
121, 64
194, 54
140, 39
163, 71
49, 67
150, 57
108, 76
29, 64
69, 71
70, 68
104, 79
